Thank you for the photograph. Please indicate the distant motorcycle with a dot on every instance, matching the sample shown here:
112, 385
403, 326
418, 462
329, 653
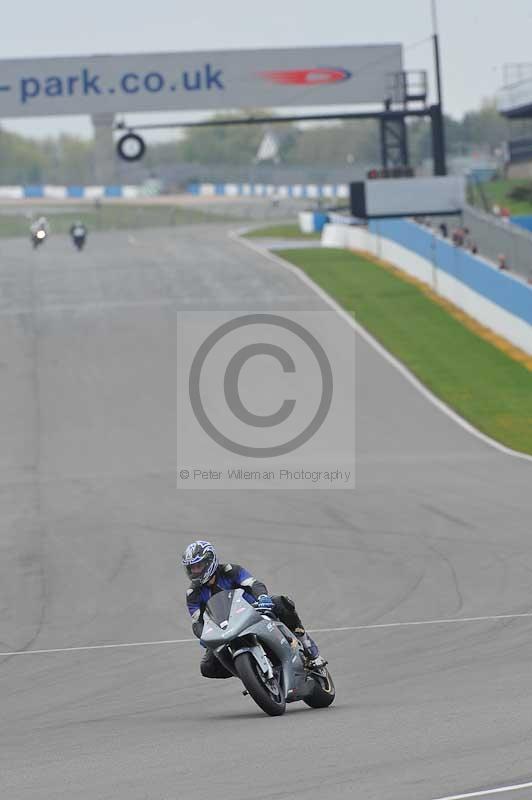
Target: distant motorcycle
267, 657
78, 232
38, 237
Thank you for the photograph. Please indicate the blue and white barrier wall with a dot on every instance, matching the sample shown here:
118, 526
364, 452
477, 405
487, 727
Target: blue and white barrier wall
304, 191
69, 192
312, 221
523, 220
309, 191
496, 299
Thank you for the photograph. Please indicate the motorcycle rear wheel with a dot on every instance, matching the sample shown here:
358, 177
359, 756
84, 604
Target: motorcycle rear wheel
248, 672
323, 693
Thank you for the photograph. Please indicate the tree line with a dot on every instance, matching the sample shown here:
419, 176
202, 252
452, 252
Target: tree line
70, 160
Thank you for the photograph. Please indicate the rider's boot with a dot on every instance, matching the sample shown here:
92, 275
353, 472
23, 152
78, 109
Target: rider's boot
310, 648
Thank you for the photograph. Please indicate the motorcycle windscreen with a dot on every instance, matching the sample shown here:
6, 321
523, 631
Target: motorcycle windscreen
219, 606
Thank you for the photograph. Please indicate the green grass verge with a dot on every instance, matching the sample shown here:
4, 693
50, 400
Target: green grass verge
106, 218
497, 194
289, 231
478, 380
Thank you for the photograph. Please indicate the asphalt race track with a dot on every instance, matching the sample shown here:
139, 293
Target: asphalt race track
91, 526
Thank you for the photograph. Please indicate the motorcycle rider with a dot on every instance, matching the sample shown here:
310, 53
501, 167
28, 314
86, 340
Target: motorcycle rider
207, 576
40, 224
78, 232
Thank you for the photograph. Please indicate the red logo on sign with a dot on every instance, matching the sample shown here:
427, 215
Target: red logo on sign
307, 77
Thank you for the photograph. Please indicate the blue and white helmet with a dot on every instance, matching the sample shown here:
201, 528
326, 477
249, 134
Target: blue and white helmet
200, 562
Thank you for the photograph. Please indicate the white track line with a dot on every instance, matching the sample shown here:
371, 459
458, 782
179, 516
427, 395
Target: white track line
376, 626
95, 647
399, 366
492, 618
513, 788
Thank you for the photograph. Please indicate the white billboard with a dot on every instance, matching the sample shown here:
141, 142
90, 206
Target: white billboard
224, 79
400, 197
516, 99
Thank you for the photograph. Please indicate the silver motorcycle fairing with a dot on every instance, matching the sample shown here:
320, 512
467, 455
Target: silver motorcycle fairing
266, 633
241, 616
296, 681
294, 677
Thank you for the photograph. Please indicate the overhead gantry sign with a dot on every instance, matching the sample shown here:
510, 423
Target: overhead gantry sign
198, 81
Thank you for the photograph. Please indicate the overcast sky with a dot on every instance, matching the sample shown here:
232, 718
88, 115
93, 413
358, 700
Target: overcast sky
477, 36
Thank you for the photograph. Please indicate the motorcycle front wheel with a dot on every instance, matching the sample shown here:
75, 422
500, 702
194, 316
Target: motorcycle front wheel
268, 695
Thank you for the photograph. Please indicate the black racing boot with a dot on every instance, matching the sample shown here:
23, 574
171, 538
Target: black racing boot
310, 648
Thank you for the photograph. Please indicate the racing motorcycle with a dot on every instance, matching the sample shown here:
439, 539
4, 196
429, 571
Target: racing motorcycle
79, 235
267, 657
38, 237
